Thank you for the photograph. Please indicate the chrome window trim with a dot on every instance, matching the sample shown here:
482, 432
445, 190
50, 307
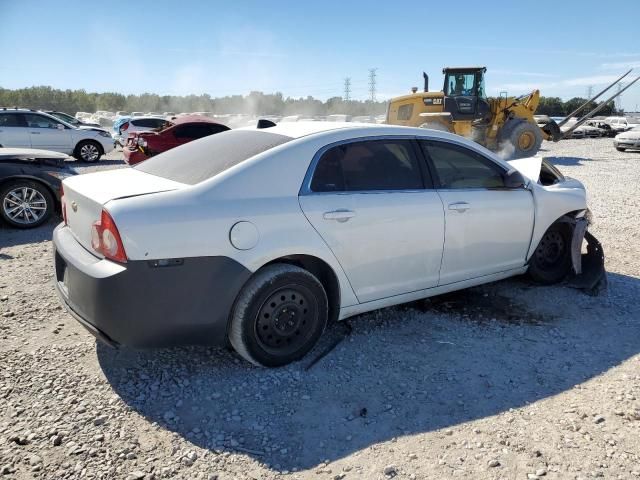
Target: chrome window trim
305, 189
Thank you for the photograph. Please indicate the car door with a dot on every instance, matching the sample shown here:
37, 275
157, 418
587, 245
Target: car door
488, 226
13, 130
48, 133
373, 204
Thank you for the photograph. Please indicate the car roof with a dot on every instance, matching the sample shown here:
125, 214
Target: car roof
306, 128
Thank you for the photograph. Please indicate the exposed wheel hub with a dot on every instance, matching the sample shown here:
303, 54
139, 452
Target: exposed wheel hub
286, 320
551, 249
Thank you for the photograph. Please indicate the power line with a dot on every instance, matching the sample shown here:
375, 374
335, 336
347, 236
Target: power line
372, 83
347, 89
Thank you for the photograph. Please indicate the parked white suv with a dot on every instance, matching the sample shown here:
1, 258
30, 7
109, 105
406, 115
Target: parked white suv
23, 128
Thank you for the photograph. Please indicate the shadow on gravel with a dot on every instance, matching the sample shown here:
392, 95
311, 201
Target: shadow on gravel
10, 237
403, 371
568, 161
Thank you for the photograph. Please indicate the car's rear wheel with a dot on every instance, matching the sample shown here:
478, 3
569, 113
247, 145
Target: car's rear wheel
620, 149
278, 316
551, 261
25, 204
88, 151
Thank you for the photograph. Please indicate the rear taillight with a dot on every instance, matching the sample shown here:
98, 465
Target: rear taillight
124, 127
105, 239
63, 204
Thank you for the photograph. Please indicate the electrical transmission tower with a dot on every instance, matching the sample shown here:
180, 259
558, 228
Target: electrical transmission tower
618, 101
589, 92
347, 89
372, 83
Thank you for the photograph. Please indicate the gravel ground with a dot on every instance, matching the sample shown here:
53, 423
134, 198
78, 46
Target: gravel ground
508, 380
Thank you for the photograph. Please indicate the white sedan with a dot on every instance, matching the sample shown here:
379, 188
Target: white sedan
261, 236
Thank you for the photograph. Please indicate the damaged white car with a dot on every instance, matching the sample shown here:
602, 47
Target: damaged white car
262, 236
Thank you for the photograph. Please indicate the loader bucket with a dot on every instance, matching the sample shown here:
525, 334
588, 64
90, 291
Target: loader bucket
553, 131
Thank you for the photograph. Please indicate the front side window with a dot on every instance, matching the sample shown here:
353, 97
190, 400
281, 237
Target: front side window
461, 84
458, 167
10, 120
40, 121
368, 165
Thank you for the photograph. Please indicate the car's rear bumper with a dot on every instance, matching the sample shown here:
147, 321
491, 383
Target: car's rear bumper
133, 155
144, 304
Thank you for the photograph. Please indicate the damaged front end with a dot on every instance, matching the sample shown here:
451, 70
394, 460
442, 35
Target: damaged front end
588, 273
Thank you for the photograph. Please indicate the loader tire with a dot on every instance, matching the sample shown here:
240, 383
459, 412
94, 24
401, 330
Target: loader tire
520, 139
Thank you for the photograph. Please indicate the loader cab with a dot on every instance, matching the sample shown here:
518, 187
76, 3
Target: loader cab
465, 96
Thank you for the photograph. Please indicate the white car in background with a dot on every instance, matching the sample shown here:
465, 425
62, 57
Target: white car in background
629, 140
23, 128
261, 236
122, 129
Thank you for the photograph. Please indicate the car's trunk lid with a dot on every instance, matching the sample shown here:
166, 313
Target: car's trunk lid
85, 196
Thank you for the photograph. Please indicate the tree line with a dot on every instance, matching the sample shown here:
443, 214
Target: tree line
555, 107
72, 101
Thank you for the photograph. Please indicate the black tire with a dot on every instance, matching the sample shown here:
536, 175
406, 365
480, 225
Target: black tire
39, 201
551, 261
278, 316
88, 151
520, 139
621, 149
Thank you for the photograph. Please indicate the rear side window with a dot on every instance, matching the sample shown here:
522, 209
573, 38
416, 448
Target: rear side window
149, 122
405, 112
368, 165
11, 120
458, 167
195, 162
197, 130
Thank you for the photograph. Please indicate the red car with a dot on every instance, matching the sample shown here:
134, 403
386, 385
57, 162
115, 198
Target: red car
178, 131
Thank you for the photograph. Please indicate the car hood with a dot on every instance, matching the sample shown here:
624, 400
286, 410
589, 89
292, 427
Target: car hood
632, 135
529, 166
33, 155
95, 129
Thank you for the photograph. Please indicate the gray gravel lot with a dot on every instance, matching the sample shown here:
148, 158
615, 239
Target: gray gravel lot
504, 381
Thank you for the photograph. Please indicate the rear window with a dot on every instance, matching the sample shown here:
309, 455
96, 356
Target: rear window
205, 158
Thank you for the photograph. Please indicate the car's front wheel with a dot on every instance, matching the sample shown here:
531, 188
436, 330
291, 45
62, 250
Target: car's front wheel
620, 149
278, 316
25, 204
88, 151
551, 261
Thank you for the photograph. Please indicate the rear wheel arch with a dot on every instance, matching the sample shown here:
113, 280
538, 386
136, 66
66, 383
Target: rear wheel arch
323, 272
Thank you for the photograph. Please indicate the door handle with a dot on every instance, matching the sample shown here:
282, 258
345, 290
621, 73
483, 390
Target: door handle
339, 215
459, 206
35, 133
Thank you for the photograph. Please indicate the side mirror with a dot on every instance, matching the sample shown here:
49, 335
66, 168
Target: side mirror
60, 126
514, 179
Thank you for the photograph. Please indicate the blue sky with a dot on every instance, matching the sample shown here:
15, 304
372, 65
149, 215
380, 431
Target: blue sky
307, 48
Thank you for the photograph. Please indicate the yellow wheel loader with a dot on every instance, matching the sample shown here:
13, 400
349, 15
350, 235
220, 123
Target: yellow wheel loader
504, 124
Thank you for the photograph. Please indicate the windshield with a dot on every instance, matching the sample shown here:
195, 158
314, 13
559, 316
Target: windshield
66, 118
205, 158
